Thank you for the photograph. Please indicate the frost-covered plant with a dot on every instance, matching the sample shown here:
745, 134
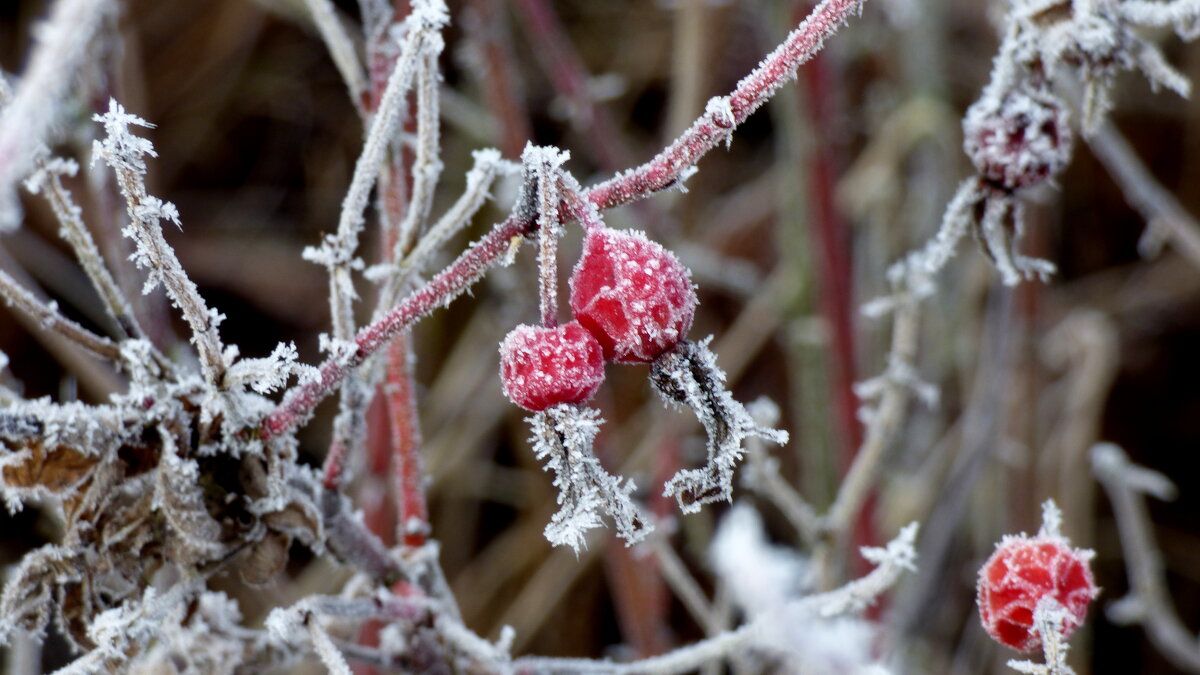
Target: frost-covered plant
193, 470
1030, 580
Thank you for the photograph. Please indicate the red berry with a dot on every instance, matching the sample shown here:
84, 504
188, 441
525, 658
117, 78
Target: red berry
632, 294
1020, 573
542, 367
1018, 139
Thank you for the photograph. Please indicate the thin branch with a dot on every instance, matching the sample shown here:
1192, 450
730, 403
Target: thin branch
1158, 206
1149, 600
48, 181
685, 587
37, 102
854, 596
341, 48
48, 316
124, 153
439, 291
883, 422
725, 113
708, 131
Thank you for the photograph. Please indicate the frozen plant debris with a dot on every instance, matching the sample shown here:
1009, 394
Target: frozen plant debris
563, 437
688, 376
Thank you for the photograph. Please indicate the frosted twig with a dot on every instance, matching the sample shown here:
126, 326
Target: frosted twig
881, 426
1049, 617
1158, 207
439, 291
125, 152
479, 182
337, 252
542, 168
341, 48
37, 102
427, 165
709, 130
412, 510
684, 586
917, 270
762, 475
1148, 601
724, 114
47, 180
48, 315
893, 560
323, 645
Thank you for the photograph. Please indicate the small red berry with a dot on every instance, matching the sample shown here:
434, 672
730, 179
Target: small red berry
1018, 139
1022, 572
542, 367
632, 294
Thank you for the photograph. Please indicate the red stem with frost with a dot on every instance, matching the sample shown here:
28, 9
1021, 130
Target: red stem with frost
657, 174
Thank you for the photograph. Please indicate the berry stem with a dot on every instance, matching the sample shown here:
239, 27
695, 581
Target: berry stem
544, 163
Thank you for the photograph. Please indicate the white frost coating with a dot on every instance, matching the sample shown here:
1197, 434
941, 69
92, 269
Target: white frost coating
1050, 619
562, 437
264, 375
688, 376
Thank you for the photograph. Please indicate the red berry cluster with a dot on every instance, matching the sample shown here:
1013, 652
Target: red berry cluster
1025, 571
632, 300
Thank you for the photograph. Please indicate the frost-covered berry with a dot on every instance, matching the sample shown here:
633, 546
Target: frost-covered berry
1018, 139
1024, 571
542, 367
632, 294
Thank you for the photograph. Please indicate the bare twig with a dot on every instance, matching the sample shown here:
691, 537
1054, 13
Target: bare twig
124, 152
1158, 207
1149, 601
37, 102
48, 315
341, 48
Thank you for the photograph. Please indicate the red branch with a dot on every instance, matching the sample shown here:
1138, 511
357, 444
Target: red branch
659, 173
715, 125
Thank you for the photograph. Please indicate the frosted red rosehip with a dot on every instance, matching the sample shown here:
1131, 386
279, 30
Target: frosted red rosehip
632, 294
1018, 139
542, 367
1022, 572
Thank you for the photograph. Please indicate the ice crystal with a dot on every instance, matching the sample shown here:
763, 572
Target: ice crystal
563, 437
688, 376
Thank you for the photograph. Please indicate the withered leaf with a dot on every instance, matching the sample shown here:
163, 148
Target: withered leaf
57, 470
264, 560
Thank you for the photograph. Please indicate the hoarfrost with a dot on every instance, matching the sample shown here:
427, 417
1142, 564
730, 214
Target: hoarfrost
688, 376
562, 437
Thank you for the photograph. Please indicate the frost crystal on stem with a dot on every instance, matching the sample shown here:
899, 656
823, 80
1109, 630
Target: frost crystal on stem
688, 376
562, 437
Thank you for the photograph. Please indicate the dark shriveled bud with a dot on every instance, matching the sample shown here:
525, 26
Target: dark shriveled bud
1018, 139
